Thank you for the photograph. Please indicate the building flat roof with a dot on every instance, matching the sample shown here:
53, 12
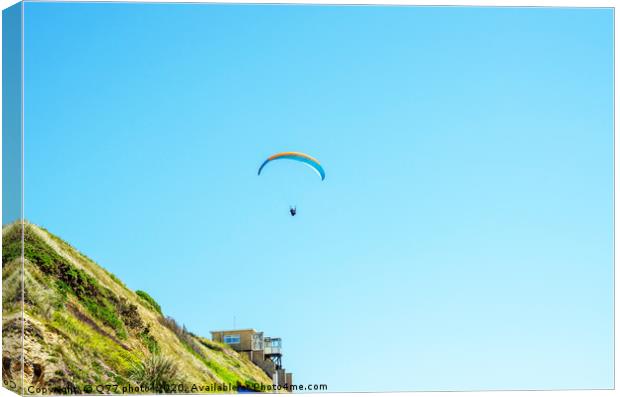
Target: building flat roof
235, 330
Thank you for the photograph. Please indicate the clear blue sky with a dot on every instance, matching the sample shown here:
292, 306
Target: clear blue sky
461, 240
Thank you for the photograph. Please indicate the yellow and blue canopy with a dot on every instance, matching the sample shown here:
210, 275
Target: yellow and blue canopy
297, 156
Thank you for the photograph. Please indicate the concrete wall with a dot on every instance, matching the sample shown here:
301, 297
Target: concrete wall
245, 335
258, 358
281, 377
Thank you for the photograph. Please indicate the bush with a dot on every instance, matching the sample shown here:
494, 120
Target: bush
11, 244
129, 314
157, 373
105, 313
149, 340
183, 334
149, 299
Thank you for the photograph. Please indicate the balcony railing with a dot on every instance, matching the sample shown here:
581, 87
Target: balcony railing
273, 345
272, 350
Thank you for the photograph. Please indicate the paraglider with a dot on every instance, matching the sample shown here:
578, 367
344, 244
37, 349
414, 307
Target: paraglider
296, 156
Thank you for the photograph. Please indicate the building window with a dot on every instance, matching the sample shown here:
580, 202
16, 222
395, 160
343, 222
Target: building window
232, 339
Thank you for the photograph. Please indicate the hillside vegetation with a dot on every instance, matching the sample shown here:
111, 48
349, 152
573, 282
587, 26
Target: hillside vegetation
85, 331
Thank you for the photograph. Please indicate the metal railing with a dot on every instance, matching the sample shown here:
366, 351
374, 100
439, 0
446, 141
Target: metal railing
272, 350
273, 345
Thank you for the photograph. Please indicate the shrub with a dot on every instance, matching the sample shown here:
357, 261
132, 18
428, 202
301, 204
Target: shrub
157, 373
129, 314
105, 313
11, 244
149, 299
149, 340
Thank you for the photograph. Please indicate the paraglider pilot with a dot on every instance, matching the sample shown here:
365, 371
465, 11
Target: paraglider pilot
297, 156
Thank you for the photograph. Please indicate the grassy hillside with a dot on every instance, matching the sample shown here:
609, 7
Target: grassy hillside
83, 328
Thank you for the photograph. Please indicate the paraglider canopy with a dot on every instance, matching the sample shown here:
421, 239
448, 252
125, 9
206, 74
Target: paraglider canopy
296, 156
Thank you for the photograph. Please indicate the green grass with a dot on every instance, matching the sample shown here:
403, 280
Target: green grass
149, 299
105, 313
192, 345
85, 338
149, 341
78, 253
112, 275
209, 344
99, 301
223, 373
11, 243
